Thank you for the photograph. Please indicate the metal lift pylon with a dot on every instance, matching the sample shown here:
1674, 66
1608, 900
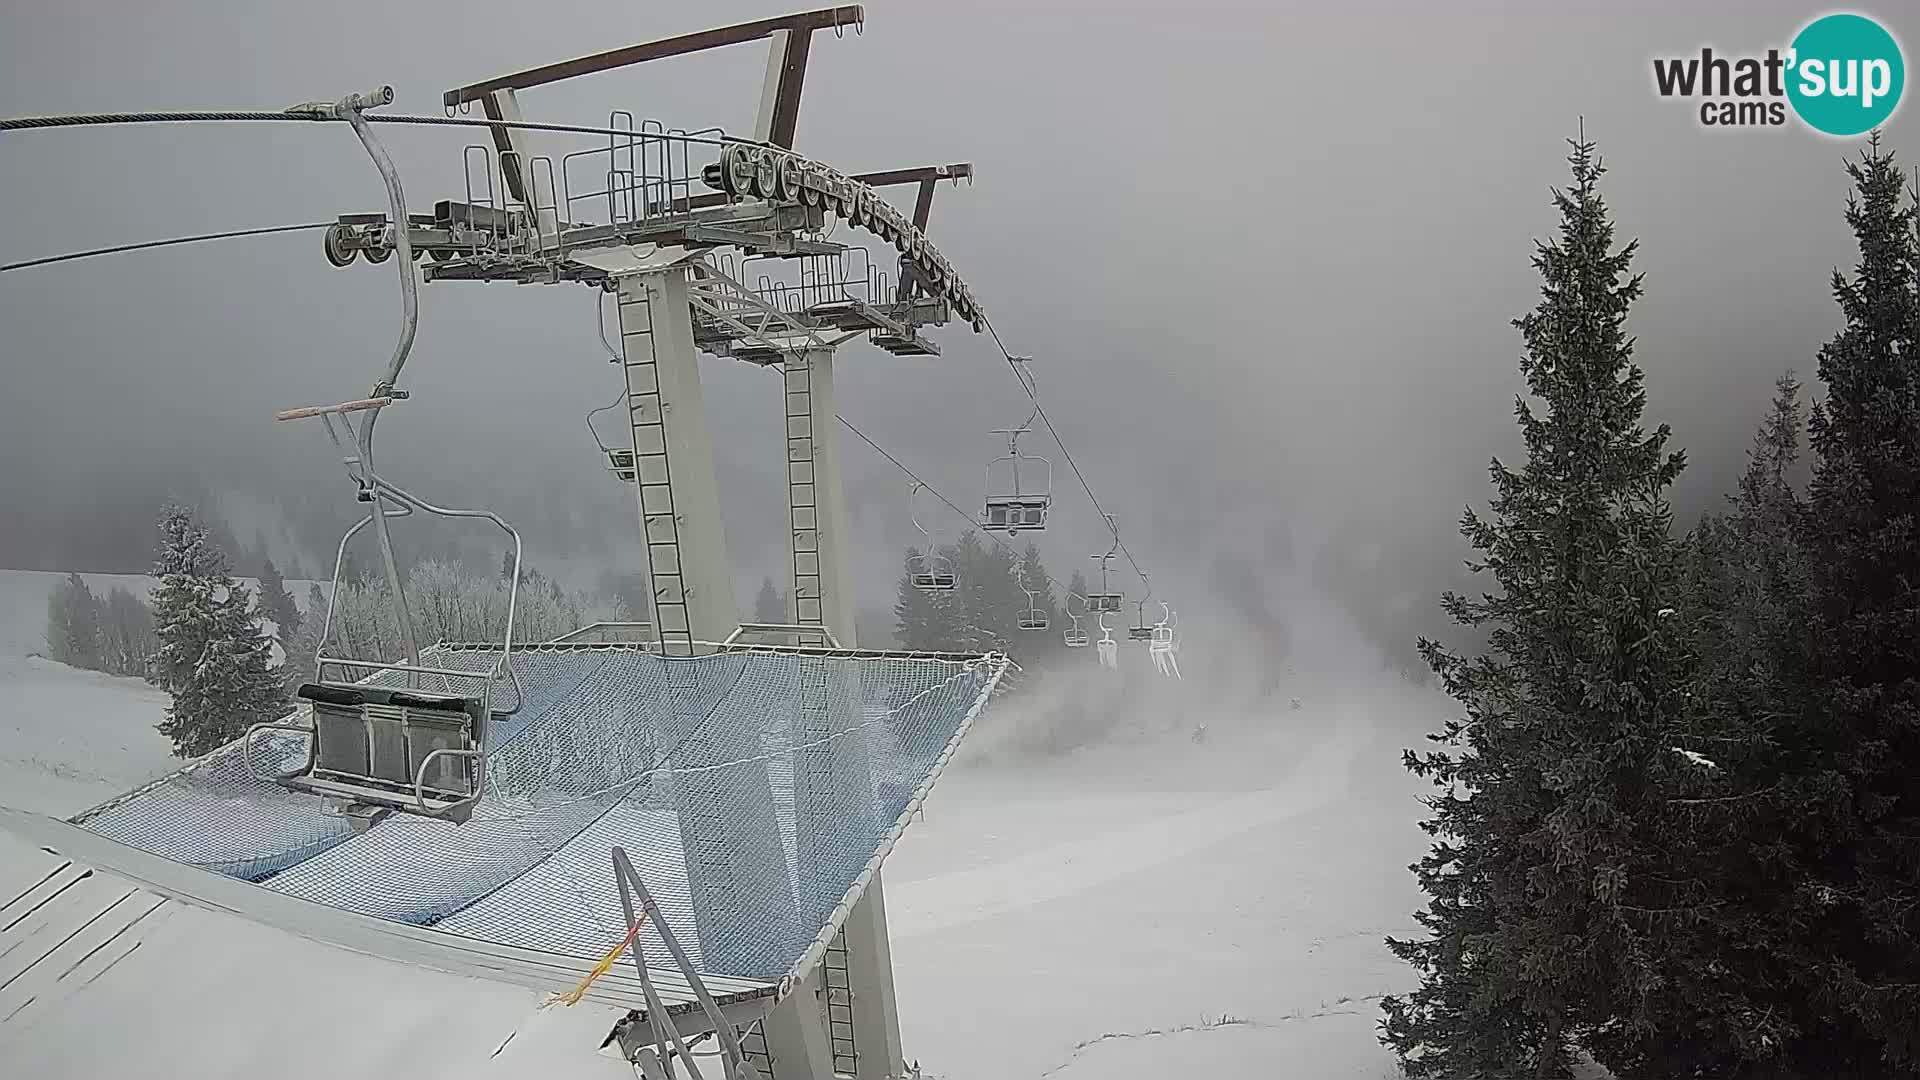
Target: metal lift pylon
675, 490
655, 241
854, 983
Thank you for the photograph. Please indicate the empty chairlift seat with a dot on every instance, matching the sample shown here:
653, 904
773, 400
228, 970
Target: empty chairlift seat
933, 581
1011, 513
620, 463
398, 748
1019, 486
933, 573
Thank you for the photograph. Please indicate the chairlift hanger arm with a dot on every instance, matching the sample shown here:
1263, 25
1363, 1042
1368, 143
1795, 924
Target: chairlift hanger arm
803, 22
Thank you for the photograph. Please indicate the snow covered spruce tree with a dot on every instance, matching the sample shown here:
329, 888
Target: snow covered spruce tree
1535, 921
213, 658
1864, 574
1748, 801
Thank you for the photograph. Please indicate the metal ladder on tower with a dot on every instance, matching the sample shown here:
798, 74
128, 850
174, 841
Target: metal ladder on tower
809, 610
803, 508
653, 479
836, 990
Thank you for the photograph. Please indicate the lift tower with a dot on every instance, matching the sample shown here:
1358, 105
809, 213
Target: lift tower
676, 225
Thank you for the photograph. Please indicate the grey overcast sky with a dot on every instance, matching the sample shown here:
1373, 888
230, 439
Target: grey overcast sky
1265, 255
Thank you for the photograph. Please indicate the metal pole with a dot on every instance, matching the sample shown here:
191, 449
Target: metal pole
657, 1019
350, 108
723, 1030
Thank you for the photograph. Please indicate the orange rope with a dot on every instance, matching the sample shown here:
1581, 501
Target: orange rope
572, 997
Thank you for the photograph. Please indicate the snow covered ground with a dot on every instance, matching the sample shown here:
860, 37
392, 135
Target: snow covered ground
70, 739
1145, 906
1164, 909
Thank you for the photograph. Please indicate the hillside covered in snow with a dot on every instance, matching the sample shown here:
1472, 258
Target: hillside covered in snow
1141, 903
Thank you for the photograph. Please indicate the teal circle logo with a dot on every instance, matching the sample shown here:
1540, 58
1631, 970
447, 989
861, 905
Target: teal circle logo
1845, 74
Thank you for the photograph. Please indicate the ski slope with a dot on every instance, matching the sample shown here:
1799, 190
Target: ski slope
1145, 906
1164, 909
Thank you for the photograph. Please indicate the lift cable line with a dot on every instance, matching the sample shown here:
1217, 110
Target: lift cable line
320, 112
307, 114
311, 114
272, 229
123, 248
950, 504
81, 120
1040, 411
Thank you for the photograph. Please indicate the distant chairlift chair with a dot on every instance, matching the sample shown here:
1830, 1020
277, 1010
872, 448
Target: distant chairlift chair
1032, 619
929, 571
1105, 601
1163, 646
619, 458
1107, 648
1140, 630
1075, 636
933, 573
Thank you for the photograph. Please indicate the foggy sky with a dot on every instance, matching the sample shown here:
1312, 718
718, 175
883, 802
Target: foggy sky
1266, 256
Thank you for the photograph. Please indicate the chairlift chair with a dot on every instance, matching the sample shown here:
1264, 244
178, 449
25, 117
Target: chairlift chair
384, 748
1164, 647
375, 749
933, 573
1032, 619
1105, 601
620, 463
930, 570
619, 458
1075, 636
394, 747
1107, 648
1140, 630
1015, 505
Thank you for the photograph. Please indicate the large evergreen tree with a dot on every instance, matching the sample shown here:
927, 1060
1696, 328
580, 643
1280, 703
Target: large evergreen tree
213, 658
1738, 953
298, 667
276, 603
1538, 915
1864, 578
983, 620
74, 633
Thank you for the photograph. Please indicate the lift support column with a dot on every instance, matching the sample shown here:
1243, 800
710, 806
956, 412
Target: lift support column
736, 863
854, 983
679, 500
